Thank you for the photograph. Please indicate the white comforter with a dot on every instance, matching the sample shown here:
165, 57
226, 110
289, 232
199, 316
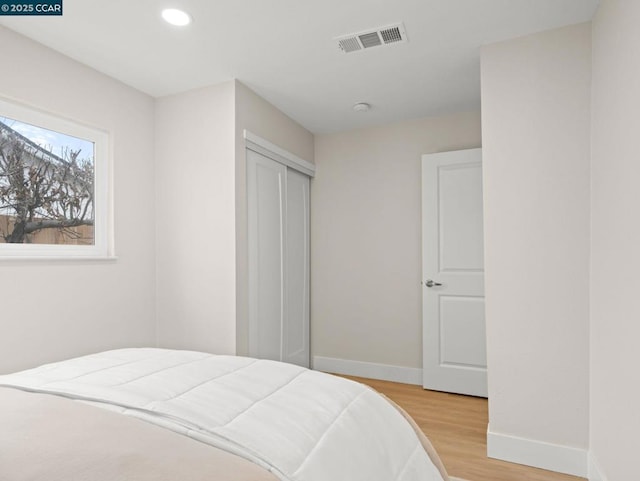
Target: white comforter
300, 424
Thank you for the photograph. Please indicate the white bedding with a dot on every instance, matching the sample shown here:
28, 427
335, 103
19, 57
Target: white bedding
300, 424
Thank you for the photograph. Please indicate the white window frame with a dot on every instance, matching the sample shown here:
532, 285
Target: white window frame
103, 225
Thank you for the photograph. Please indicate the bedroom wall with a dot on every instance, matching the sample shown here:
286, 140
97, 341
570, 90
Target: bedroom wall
365, 236
536, 150
261, 118
615, 236
58, 309
195, 198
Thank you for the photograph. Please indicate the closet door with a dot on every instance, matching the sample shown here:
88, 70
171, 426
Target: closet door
295, 339
266, 184
278, 235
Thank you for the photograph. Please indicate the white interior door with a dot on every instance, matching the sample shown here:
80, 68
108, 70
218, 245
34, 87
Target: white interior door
278, 241
266, 184
295, 338
454, 338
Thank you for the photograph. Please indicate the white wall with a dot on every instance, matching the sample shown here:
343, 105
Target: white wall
259, 117
536, 149
195, 199
365, 237
615, 236
58, 309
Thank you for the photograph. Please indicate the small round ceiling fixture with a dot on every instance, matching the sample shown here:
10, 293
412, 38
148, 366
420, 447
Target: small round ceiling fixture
176, 17
361, 107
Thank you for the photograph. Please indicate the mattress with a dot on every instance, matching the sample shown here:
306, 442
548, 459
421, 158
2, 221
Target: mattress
298, 424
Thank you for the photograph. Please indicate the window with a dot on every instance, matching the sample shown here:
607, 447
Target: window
53, 186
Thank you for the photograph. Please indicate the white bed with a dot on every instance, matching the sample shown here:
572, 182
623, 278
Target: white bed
294, 423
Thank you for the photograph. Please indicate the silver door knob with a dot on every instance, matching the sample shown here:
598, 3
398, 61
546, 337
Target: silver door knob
430, 283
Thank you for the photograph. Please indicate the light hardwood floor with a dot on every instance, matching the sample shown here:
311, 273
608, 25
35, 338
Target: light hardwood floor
457, 427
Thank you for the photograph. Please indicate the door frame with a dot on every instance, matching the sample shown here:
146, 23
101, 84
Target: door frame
266, 148
245, 342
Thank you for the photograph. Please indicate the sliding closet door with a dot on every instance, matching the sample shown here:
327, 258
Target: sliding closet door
295, 348
266, 184
278, 235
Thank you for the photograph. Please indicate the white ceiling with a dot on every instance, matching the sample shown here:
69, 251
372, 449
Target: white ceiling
284, 50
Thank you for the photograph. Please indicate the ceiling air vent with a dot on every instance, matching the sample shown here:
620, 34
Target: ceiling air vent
372, 38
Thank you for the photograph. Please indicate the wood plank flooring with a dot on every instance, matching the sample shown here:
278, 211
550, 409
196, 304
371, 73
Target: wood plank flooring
457, 427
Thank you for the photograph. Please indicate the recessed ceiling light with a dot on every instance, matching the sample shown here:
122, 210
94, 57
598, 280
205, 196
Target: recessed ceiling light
176, 17
361, 107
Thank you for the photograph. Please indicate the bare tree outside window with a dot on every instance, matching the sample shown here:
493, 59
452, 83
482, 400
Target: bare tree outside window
46, 186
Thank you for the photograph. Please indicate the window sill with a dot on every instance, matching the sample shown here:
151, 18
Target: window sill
58, 258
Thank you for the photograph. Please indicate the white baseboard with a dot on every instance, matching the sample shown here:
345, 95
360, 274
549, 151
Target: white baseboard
595, 473
539, 454
385, 372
